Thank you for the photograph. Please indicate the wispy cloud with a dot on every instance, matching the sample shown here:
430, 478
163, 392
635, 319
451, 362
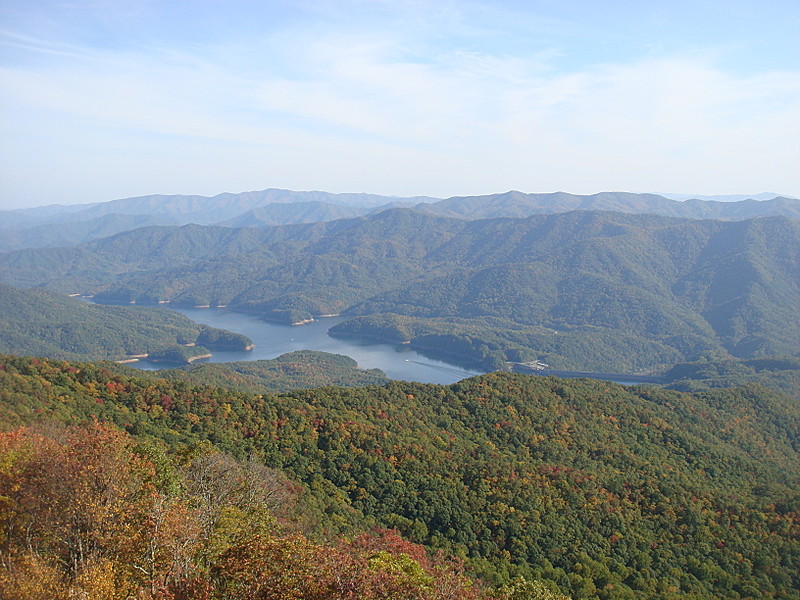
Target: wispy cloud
382, 105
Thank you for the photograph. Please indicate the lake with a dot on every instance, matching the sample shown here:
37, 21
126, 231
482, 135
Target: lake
272, 339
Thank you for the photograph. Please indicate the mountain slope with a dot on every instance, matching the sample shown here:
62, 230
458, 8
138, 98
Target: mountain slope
45, 226
203, 210
68, 233
297, 212
183, 209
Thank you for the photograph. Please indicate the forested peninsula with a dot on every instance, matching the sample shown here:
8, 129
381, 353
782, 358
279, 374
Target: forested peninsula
42, 323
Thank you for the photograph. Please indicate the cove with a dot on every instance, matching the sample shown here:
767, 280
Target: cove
272, 340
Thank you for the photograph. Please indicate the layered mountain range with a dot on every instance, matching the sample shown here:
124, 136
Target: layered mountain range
583, 289
43, 226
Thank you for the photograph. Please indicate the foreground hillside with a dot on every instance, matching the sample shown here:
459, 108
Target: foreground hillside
88, 512
584, 291
605, 491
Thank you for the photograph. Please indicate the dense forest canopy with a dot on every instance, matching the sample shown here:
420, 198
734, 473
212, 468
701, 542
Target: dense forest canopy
601, 490
90, 512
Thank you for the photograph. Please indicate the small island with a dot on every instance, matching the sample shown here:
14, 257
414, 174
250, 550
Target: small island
210, 338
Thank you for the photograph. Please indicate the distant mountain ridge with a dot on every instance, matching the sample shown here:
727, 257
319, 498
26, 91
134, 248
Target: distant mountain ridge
299, 212
55, 225
726, 197
51, 235
202, 210
520, 204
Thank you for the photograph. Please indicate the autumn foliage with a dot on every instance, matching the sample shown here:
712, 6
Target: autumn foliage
602, 491
87, 512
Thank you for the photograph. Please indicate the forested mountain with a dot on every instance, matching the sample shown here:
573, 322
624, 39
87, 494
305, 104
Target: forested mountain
584, 290
205, 210
606, 491
722, 197
57, 225
42, 323
297, 212
779, 373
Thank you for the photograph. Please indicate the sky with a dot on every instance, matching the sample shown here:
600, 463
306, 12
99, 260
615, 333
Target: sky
107, 99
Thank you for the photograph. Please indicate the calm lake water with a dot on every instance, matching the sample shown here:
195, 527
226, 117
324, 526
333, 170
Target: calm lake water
271, 340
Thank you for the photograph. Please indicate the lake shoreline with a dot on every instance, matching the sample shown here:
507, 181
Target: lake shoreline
272, 339
352, 345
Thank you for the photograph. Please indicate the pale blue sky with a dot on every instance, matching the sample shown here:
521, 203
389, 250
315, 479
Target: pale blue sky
109, 99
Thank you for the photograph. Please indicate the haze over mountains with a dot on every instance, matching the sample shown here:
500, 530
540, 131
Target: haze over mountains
614, 280
42, 226
726, 197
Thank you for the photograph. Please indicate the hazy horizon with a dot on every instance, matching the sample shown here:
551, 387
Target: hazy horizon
105, 100
676, 196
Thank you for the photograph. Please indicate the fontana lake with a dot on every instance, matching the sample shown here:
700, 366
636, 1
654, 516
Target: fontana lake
272, 340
